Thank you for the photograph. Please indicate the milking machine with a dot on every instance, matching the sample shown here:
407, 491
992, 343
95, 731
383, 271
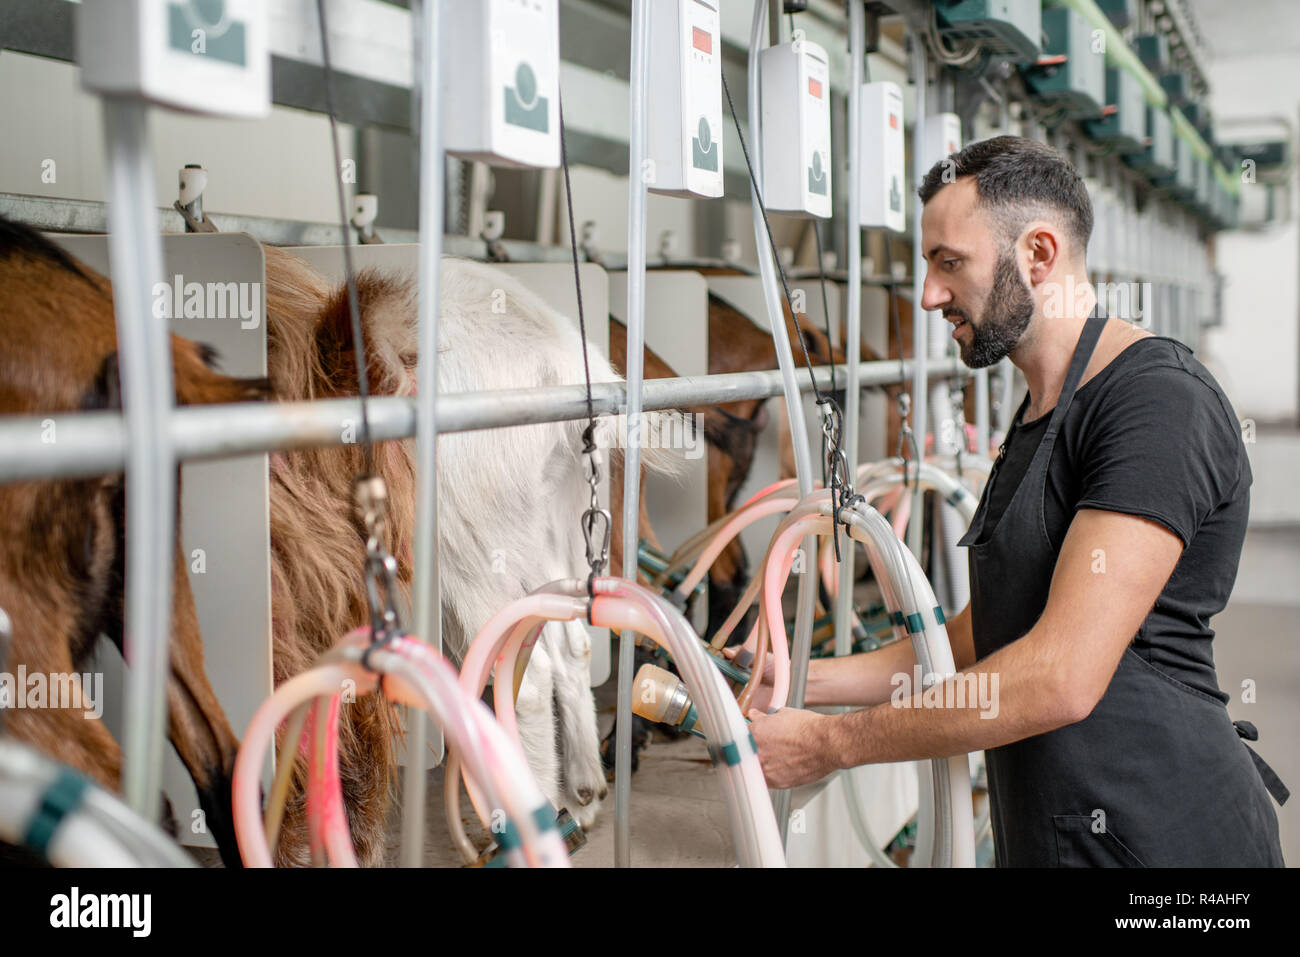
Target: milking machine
509, 636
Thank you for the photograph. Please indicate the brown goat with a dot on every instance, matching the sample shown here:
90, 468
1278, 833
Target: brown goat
61, 542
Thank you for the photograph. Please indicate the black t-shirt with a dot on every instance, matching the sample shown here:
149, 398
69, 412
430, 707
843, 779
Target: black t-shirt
1151, 434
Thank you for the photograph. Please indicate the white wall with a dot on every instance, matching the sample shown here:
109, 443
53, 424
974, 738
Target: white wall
1255, 352
278, 167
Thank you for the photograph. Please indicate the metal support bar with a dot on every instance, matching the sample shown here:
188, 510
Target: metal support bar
981, 412
853, 332
145, 363
920, 320
807, 589
84, 216
638, 149
425, 594
94, 443
1007, 385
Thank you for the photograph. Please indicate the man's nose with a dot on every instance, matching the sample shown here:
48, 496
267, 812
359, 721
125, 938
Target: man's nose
933, 293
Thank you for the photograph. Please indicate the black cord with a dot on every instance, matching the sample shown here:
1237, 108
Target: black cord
834, 444
354, 306
821, 399
588, 435
826, 309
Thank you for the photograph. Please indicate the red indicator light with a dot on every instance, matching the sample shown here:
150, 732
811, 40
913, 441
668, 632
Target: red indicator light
702, 40
893, 121
815, 87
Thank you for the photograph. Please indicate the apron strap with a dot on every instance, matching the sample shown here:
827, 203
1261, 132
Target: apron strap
1248, 732
1083, 349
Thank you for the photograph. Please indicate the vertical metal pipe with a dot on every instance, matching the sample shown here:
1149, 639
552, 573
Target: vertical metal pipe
425, 595
983, 424
807, 589
1007, 384
145, 362
920, 320
853, 325
638, 137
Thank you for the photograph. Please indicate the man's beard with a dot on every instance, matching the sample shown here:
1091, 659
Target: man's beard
1007, 312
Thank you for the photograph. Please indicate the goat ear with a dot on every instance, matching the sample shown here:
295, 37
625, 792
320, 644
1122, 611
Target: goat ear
198, 383
106, 393
333, 343
387, 307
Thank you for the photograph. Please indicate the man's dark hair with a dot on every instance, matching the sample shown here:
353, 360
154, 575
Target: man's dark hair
1018, 180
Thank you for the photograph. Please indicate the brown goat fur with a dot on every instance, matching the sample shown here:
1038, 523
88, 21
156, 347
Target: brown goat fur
61, 542
317, 593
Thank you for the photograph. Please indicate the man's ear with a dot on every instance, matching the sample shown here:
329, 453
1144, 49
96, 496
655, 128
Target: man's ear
1044, 248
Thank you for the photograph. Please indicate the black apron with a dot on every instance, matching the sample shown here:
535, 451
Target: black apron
1157, 774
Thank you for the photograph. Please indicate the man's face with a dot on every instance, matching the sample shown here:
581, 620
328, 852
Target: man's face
973, 277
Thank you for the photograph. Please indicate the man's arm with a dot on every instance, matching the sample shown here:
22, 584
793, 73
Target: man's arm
868, 678
1111, 569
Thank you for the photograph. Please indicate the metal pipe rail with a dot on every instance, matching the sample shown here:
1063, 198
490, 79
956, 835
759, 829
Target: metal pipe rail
144, 353
805, 595
426, 600
853, 305
94, 443
634, 362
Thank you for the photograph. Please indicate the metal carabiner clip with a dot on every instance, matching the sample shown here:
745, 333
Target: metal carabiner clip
596, 558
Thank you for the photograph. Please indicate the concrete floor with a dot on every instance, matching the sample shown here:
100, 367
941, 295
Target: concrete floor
1258, 643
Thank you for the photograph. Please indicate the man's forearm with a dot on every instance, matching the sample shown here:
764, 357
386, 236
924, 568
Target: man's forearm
1008, 696
869, 678
857, 680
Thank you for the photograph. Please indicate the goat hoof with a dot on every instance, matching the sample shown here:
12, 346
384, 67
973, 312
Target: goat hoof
584, 796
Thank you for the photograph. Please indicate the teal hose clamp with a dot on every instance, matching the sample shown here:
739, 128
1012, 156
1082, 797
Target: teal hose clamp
63, 796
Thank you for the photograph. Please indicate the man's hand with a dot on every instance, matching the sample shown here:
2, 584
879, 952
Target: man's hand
793, 746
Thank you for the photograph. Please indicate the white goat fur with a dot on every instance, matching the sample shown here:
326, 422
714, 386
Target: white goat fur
509, 502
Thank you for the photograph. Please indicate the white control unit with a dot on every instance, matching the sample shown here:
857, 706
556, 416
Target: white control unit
884, 177
795, 89
942, 137
201, 56
501, 81
686, 103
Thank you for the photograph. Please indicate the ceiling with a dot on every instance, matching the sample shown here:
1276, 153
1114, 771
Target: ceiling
1235, 28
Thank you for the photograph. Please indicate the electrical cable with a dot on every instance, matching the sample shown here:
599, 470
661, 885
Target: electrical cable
785, 284
354, 306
